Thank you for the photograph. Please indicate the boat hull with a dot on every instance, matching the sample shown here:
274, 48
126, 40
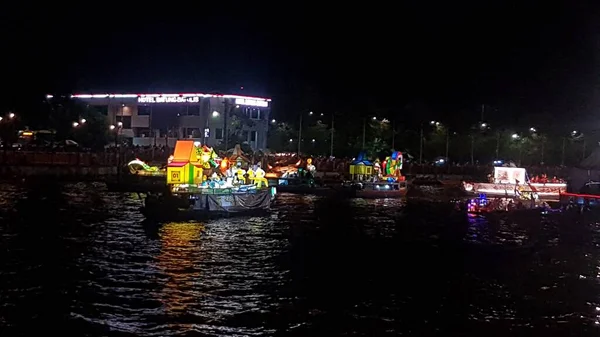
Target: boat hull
321, 191
206, 206
372, 194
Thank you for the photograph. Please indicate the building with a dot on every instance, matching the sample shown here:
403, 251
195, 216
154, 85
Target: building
150, 119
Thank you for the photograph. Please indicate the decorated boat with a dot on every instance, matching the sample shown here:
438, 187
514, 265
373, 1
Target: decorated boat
498, 204
512, 181
200, 184
374, 180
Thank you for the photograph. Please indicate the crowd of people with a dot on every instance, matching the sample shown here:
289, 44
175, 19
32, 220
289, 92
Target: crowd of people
160, 154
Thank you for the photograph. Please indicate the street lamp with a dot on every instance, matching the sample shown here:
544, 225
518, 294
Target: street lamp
291, 140
11, 115
215, 113
534, 130
515, 136
310, 113
75, 124
313, 140
112, 127
120, 124
273, 121
82, 121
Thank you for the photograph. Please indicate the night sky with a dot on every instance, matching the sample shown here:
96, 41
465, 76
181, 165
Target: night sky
523, 60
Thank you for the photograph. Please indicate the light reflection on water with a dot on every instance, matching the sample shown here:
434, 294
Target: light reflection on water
80, 258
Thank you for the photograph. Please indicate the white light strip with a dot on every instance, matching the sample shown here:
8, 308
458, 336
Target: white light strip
549, 185
509, 193
166, 95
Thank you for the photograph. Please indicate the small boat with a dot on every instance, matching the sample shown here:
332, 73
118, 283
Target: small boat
374, 190
483, 205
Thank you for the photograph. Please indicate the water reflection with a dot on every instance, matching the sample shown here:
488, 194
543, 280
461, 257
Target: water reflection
179, 260
81, 259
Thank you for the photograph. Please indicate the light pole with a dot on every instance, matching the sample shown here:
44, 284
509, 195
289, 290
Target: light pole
517, 138
542, 140
421, 145
364, 132
364, 138
331, 145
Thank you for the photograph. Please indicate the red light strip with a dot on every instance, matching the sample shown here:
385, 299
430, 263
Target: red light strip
580, 195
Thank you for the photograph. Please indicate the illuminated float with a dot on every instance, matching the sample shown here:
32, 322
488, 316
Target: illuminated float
200, 183
513, 182
139, 167
377, 180
498, 204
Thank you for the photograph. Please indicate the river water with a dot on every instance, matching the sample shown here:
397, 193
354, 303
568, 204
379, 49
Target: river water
76, 258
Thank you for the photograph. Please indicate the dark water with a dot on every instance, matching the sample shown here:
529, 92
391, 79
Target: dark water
75, 258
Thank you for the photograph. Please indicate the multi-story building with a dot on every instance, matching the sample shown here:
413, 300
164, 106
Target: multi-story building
150, 119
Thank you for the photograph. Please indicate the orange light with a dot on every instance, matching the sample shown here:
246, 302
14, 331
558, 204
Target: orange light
309, 161
299, 162
27, 133
224, 164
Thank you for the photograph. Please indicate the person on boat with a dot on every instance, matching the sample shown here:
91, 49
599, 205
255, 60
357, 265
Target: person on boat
250, 175
240, 172
259, 177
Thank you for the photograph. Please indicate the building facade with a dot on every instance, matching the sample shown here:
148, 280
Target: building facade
153, 119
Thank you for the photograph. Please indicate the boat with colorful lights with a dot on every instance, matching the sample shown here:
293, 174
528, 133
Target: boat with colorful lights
511, 181
374, 180
497, 204
200, 184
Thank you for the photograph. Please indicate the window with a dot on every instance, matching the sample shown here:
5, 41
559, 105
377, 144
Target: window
244, 136
253, 136
218, 133
255, 114
144, 110
126, 120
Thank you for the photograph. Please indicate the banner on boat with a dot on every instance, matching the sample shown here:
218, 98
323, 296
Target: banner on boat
239, 202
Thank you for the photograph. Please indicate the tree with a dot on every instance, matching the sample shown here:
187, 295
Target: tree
279, 138
63, 112
94, 133
316, 139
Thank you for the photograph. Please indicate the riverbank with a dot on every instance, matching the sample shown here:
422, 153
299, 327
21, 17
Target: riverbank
56, 171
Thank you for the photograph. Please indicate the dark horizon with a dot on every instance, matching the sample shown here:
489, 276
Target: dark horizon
523, 62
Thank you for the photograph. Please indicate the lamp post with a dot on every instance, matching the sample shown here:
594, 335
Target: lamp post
364, 137
421, 145
332, 130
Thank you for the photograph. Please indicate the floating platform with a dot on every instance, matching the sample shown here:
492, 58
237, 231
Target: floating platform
182, 206
374, 190
545, 191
